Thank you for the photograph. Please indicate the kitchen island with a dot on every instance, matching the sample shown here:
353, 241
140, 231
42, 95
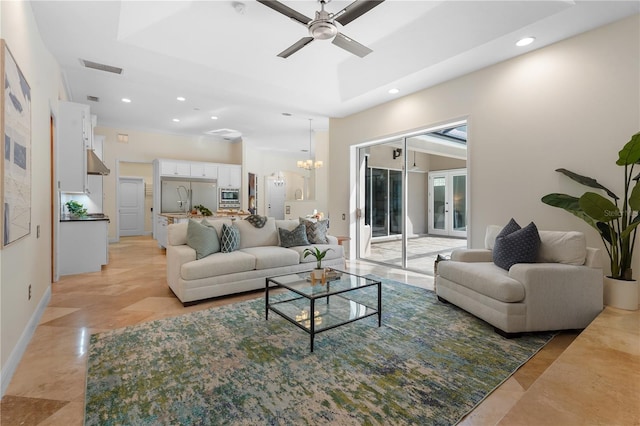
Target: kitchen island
83, 244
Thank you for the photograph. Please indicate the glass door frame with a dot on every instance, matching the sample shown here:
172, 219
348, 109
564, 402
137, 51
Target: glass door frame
359, 175
448, 228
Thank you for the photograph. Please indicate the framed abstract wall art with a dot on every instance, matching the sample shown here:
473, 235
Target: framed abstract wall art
15, 125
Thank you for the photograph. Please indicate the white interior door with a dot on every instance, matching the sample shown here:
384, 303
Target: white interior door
275, 196
448, 203
131, 206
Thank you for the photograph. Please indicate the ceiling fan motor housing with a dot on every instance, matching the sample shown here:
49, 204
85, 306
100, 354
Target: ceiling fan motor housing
322, 28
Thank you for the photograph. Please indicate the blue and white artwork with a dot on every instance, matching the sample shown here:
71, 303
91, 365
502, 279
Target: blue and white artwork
16, 173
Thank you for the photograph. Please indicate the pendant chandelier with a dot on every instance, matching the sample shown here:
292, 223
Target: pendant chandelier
310, 163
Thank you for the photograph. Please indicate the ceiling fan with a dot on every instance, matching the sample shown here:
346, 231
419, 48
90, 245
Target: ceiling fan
323, 27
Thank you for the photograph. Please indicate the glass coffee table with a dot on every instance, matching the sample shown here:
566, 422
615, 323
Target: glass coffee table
320, 307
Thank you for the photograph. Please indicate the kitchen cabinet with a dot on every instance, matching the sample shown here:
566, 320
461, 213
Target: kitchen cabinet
74, 137
83, 246
175, 168
204, 170
229, 176
162, 222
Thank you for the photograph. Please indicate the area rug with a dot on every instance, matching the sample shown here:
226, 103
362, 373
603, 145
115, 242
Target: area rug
429, 363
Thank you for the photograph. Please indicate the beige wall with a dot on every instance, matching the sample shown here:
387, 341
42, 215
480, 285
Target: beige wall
28, 261
572, 104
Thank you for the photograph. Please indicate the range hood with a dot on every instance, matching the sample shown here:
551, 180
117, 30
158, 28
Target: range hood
95, 166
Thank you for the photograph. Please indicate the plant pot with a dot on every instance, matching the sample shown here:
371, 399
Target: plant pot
621, 294
318, 275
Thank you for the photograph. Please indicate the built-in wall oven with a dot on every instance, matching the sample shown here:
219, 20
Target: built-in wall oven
229, 198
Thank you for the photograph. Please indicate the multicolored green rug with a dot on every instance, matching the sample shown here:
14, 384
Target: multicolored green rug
429, 363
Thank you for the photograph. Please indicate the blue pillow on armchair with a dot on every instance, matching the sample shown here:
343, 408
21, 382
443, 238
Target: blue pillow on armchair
516, 245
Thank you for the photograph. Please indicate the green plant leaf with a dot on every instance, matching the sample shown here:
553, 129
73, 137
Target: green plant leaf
598, 207
605, 231
570, 204
587, 181
634, 198
630, 153
629, 229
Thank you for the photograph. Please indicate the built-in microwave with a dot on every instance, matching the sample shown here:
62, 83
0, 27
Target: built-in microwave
229, 198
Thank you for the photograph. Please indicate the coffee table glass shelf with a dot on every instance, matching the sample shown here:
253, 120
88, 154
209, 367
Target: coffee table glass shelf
317, 307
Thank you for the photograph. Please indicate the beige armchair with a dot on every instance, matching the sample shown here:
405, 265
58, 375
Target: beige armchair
563, 290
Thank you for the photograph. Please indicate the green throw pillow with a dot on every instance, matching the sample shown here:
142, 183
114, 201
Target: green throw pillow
203, 238
230, 239
297, 237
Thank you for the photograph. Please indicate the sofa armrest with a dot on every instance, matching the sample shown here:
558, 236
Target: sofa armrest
472, 255
176, 257
594, 258
558, 293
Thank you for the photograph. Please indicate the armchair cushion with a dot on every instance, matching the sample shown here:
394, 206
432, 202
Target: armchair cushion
516, 245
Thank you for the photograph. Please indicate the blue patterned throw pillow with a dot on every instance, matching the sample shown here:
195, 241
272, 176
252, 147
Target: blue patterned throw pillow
230, 239
316, 231
297, 237
515, 245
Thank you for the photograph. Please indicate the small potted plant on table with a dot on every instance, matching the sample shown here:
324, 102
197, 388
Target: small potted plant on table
318, 273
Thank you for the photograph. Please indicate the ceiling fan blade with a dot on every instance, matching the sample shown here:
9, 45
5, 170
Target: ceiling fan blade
286, 11
351, 45
355, 10
295, 47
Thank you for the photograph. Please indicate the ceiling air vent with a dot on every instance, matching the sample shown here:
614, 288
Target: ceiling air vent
101, 67
226, 134
93, 98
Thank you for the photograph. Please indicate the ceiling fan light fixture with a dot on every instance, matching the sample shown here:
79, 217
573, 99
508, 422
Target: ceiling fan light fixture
322, 30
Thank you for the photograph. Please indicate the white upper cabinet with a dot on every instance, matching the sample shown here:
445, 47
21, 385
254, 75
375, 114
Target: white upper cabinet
175, 168
74, 137
204, 170
229, 176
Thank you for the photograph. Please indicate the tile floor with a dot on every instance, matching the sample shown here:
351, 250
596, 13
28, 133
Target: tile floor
48, 385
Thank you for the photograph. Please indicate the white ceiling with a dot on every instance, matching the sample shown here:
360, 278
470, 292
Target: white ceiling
224, 62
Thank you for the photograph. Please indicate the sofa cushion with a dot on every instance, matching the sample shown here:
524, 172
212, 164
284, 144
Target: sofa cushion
316, 231
485, 278
516, 246
230, 238
218, 264
256, 220
490, 236
203, 238
272, 256
297, 237
562, 247
250, 236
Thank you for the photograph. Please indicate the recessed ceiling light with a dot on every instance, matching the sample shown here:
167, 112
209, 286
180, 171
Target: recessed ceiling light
181, 98
213, 117
394, 91
176, 120
525, 41
287, 114
126, 100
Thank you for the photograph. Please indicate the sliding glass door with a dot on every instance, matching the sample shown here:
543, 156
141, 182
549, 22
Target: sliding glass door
397, 197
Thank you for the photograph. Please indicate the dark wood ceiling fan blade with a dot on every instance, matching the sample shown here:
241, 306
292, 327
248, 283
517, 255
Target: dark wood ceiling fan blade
355, 10
350, 45
286, 11
295, 47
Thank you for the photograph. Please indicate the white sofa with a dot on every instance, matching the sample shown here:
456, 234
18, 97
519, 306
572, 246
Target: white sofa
563, 290
259, 256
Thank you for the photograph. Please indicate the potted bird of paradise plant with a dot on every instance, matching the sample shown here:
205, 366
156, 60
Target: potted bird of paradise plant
616, 219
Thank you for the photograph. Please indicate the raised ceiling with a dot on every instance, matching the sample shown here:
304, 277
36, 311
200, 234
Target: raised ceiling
221, 57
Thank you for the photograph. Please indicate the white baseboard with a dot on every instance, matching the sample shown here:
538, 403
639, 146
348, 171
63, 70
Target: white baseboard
16, 355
